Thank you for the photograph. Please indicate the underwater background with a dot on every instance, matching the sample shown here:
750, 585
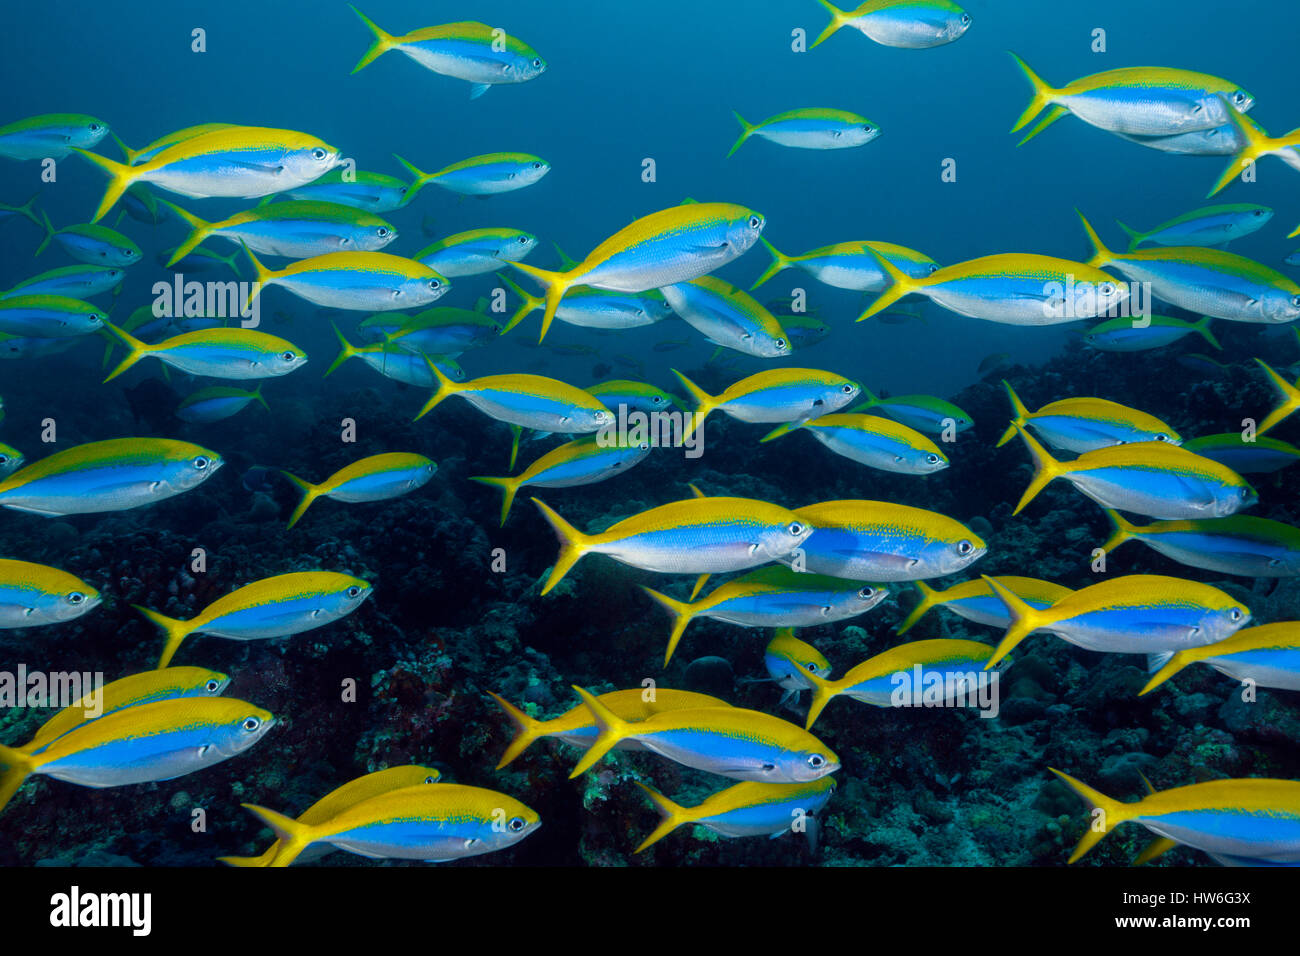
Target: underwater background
626, 82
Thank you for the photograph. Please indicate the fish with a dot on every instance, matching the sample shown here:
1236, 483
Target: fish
924, 413
486, 175
745, 809
162, 740
1150, 478
1290, 395
469, 51
1135, 101
50, 135
340, 799
198, 260
441, 330
360, 281
145, 153
33, 595
577, 727
238, 162
803, 331
375, 478
298, 229
882, 541
27, 209
372, 192
975, 601
786, 395
1267, 655
131, 691
1211, 282
397, 362
112, 475
949, 670
1258, 455
1220, 141
1131, 614
277, 606
1152, 332
476, 251
809, 128
701, 535
634, 396
1010, 289
728, 316
1251, 821
1206, 226
49, 316
728, 741
993, 362
75, 282
788, 659
910, 24
94, 245
664, 248
230, 353
11, 459
850, 265
529, 401
1238, 544
1201, 364
873, 441
1256, 144
595, 308
447, 821
583, 461
216, 403
772, 596
1086, 424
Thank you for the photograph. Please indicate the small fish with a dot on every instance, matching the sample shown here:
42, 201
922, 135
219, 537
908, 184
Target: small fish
1246, 822
26, 209
873, 441
469, 51
234, 353
11, 459
789, 660
786, 395
803, 331
1201, 364
1238, 544
376, 478
910, 24
583, 461
298, 229
1220, 141
1133, 614
1150, 478
485, 175
158, 741
360, 281
272, 607
1086, 424
400, 364
729, 741
595, 308
577, 727
975, 600
49, 316
75, 282
1135, 101
666, 247
94, 245
1294, 258
850, 265
198, 260
1152, 332
1207, 226
774, 596
51, 135
1259, 455
992, 363
137, 156
112, 475
881, 541
436, 824
1210, 282
925, 413
529, 401
216, 403
32, 595
745, 809
442, 331
636, 396
476, 251
810, 128
243, 162
670, 345
1268, 656
949, 669
728, 317
372, 192
699, 535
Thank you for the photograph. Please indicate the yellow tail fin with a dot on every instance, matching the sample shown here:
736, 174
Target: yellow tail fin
838, 19
682, 612
1041, 98
823, 692
529, 304
346, 351
252, 861
174, 631
199, 230
262, 276
120, 176
745, 131
446, 387
1124, 530
1113, 813
509, 488
1024, 620
136, 350
1101, 256
1018, 411
18, 766
610, 730
555, 284
1256, 145
704, 404
1290, 398
527, 730
382, 44
294, 837
50, 232
929, 597
1046, 468
573, 545
780, 262
900, 286
310, 493
672, 816
1202, 326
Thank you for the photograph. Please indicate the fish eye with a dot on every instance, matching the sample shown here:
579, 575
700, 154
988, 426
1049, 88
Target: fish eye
537, 62
537, 165
212, 686
932, 459
847, 389
795, 528
434, 285
755, 222
965, 547
1235, 614
523, 240
867, 593
1162, 437
816, 761
382, 232
319, 153
812, 666
287, 356
516, 824
1239, 97
644, 446
1295, 301
76, 597
965, 19
657, 400
1259, 212
431, 779
1106, 289
353, 591
780, 343
201, 462
4, 459
94, 127
250, 724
